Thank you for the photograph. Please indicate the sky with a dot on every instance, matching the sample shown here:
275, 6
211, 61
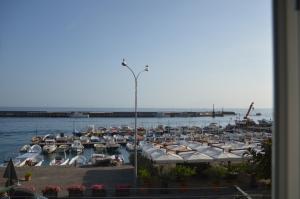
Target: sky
68, 53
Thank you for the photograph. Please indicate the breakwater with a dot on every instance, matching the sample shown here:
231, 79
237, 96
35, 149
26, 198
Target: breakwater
146, 114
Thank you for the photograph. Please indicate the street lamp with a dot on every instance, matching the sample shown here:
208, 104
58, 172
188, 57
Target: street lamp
135, 111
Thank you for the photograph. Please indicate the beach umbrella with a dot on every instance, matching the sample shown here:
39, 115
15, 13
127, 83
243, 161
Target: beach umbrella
10, 173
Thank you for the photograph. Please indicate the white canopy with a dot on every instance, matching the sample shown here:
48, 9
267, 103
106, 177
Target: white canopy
195, 157
167, 158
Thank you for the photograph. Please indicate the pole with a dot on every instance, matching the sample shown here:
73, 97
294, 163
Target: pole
135, 117
135, 134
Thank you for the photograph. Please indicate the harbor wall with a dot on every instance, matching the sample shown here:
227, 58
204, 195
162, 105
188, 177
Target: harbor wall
111, 114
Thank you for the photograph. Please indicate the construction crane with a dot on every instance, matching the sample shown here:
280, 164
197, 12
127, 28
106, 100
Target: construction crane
248, 112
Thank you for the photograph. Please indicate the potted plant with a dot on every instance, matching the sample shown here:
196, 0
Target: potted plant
182, 173
51, 191
28, 176
76, 190
98, 190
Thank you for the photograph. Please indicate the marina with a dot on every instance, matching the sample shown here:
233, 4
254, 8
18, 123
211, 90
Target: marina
162, 144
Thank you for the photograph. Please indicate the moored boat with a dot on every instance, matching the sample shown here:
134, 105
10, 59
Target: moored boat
100, 147
78, 160
35, 149
59, 161
25, 148
50, 146
62, 148
77, 146
101, 160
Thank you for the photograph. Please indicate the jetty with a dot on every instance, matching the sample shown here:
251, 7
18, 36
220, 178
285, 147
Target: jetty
145, 114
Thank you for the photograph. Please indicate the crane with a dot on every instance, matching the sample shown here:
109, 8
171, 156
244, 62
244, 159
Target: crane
248, 112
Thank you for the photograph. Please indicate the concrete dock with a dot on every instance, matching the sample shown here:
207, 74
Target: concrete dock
114, 114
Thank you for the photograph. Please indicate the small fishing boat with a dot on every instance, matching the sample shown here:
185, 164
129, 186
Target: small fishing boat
35, 149
130, 147
78, 160
112, 146
84, 139
50, 146
62, 148
59, 161
117, 159
61, 138
95, 139
49, 137
36, 139
100, 147
101, 160
77, 146
33, 161
120, 139
25, 148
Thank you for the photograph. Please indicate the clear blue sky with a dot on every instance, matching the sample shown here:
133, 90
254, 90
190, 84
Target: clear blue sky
200, 52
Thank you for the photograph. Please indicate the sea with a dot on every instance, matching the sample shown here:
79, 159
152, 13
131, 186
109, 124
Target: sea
16, 132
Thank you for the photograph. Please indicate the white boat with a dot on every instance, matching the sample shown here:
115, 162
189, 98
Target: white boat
26, 156
95, 139
25, 148
50, 146
100, 147
111, 145
78, 160
59, 161
49, 137
33, 161
62, 148
117, 159
61, 138
35, 149
101, 160
84, 139
120, 139
130, 147
77, 146
36, 139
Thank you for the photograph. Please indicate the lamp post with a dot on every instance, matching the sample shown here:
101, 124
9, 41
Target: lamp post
135, 111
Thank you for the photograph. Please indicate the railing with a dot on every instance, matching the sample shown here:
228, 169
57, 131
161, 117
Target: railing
233, 192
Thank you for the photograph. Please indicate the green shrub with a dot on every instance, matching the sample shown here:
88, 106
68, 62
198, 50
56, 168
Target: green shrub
217, 172
182, 172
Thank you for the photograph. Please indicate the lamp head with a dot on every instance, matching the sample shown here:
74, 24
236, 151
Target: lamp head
147, 68
124, 63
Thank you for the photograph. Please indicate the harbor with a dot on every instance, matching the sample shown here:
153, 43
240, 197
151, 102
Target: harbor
89, 153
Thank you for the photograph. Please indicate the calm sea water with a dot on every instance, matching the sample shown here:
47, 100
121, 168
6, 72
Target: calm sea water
16, 132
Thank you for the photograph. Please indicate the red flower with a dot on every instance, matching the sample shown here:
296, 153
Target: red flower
51, 188
76, 187
98, 187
